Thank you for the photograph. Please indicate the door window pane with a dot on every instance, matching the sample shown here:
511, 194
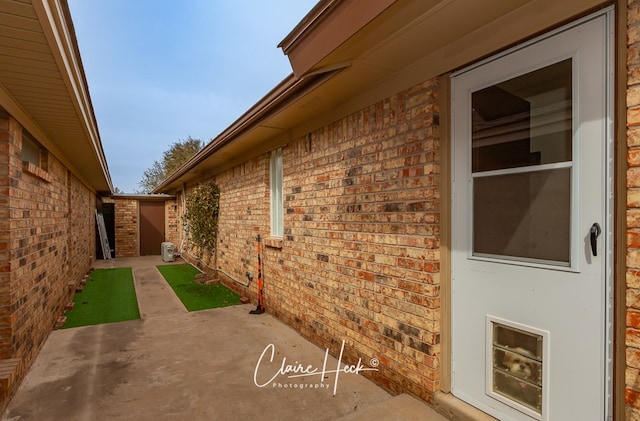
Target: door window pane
523, 121
523, 215
521, 165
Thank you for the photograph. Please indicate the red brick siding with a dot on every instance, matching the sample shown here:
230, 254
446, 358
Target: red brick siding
362, 238
127, 229
360, 256
244, 214
9, 135
127, 225
46, 241
172, 233
82, 228
632, 339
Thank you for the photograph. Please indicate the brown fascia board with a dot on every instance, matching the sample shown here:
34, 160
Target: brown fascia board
325, 28
287, 91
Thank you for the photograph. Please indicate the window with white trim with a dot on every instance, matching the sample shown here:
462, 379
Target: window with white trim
35, 159
32, 152
275, 183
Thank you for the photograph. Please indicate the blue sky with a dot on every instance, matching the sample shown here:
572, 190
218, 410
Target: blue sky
162, 70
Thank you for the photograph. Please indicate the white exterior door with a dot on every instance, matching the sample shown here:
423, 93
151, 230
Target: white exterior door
531, 228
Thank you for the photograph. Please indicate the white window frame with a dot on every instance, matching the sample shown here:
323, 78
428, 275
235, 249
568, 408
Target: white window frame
275, 188
31, 151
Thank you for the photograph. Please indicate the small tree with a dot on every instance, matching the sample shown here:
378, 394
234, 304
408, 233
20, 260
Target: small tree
172, 159
152, 177
201, 215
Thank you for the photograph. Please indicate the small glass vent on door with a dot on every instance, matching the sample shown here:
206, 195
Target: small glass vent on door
517, 366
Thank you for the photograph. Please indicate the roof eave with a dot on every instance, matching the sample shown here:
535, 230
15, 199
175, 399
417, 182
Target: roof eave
57, 25
397, 50
327, 26
285, 92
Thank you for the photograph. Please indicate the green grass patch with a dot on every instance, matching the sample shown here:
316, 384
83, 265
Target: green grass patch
194, 295
109, 296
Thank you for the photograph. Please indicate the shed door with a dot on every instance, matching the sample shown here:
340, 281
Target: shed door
151, 227
530, 187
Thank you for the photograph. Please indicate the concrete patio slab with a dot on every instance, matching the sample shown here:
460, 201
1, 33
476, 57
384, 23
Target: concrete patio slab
219, 364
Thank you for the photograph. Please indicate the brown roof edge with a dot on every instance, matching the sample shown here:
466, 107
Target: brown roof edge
144, 197
325, 28
279, 97
320, 10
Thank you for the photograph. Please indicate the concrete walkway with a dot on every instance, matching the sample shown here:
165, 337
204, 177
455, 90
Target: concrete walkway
206, 365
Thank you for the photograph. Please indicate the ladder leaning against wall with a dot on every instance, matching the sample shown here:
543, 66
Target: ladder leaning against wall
102, 232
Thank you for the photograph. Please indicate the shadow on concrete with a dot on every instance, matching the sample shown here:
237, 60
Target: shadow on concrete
219, 364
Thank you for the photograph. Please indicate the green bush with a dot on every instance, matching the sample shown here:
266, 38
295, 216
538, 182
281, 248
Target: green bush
201, 215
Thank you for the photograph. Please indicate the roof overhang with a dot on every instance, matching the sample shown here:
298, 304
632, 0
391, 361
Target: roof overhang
348, 54
268, 119
43, 86
325, 28
144, 197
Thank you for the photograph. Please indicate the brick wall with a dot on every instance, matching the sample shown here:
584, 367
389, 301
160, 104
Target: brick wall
361, 238
632, 392
81, 231
172, 233
9, 138
47, 240
359, 258
244, 213
127, 227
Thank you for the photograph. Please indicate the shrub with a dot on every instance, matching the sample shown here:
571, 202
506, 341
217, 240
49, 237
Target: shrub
201, 216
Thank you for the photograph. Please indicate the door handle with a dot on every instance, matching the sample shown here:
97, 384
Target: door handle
594, 233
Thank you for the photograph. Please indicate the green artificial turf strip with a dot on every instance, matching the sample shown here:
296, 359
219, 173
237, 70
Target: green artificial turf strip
194, 295
108, 296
